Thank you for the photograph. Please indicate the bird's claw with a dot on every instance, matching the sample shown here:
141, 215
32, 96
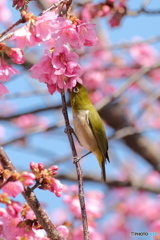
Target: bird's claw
76, 159
68, 129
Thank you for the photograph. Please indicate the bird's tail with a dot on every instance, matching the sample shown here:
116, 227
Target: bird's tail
103, 172
102, 161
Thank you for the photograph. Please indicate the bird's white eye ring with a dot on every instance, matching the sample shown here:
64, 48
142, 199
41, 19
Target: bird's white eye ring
76, 89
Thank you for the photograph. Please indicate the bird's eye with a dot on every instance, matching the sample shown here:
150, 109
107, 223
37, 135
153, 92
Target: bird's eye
76, 89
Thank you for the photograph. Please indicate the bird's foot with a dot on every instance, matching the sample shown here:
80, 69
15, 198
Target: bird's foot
76, 160
85, 155
68, 129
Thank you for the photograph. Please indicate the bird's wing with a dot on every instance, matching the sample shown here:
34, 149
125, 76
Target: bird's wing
98, 131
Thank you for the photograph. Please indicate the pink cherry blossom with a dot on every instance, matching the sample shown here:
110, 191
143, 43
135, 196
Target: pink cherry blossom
27, 178
13, 188
88, 11
37, 30
16, 54
144, 54
56, 187
24, 37
155, 75
58, 70
31, 120
3, 212
94, 204
86, 33
77, 33
93, 79
36, 168
51, 1
6, 16
59, 215
3, 90
148, 211
10, 231
63, 230
115, 19
153, 178
19, 3
94, 234
14, 209
54, 170
67, 33
118, 226
96, 96
6, 71
155, 228
45, 25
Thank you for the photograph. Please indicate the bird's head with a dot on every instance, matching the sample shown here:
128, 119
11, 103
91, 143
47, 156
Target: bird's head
79, 96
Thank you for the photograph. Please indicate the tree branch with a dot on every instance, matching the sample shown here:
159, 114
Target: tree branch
131, 44
142, 10
133, 79
114, 116
113, 183
33, 202
33, 131
78, 168
4, 37
6, 118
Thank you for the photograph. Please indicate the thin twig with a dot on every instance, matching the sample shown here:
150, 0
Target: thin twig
21, 20
142, 10
50, 108
33, 131
150, 100
130, 130
145, 3
33, 202
25, 94
131, 44
78, 168
55, 5
139, 186
131, 80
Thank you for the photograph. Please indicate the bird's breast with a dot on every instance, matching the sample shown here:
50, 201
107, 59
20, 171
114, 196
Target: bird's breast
83, 130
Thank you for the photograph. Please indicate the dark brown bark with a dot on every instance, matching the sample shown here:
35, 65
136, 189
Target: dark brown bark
114, 115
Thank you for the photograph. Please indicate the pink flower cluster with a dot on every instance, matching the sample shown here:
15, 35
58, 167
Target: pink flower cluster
94, 207
7, 71
6, 16
31, 121
19, 3
58, 68
16, 54
37, 30
114, 10
144, 54
45, 178
9, 230
94, 204
49, 26
13, 188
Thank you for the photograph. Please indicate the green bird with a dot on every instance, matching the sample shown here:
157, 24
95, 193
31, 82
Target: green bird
88, 126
